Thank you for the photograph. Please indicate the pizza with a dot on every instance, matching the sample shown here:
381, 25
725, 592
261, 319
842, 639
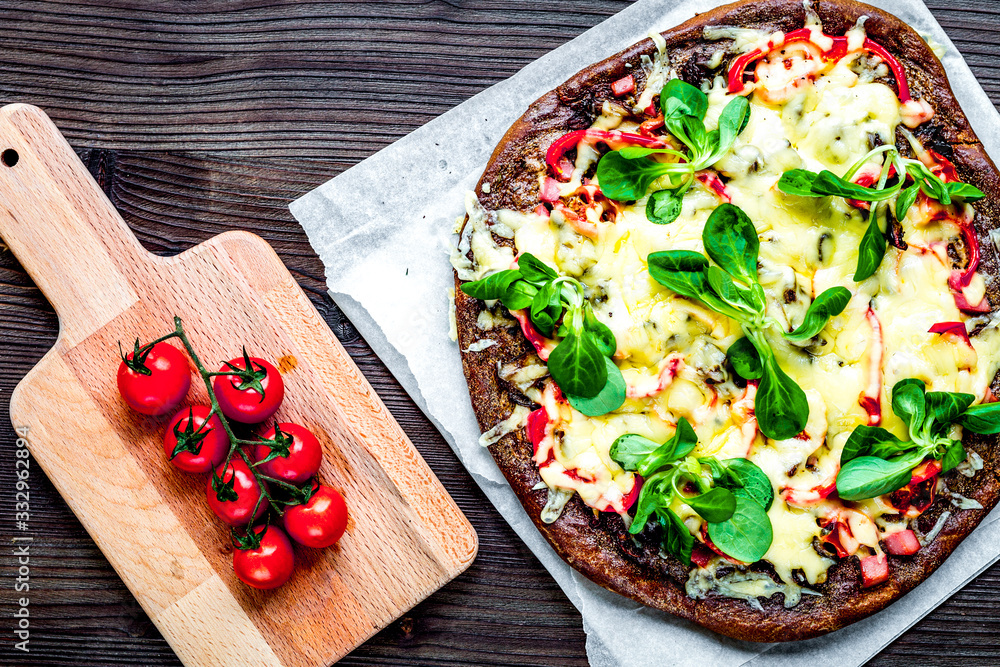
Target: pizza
725, 308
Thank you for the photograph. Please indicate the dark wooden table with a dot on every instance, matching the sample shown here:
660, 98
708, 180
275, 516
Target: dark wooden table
199, 117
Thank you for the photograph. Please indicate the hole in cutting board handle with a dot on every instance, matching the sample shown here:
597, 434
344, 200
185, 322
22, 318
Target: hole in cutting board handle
9, 157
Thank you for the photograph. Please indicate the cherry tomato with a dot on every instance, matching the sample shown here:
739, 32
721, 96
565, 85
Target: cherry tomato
268, 565
302, 460
252, 398
159, 381
319, 522
199, 446
238, 479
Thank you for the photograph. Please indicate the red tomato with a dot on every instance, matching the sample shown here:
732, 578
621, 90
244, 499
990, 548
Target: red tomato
235, 512
162, 386
319, 522
201, 447
252, 397
268, 565
302, 460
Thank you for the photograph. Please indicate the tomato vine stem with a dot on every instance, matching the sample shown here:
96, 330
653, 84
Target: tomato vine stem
235, 444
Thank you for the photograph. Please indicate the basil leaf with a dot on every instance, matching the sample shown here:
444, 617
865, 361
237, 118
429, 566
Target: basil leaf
869, 476
826, 183
545, 324
656, 491
731, 241
780, 406
534, 270
677, 260
519, 295
546, 308
604, 338
982, 418
677, 539
622, 179
680, 445
663, 207
755, 483
678, 98
945, 407
577, 366
608, 399
905, 200
828, 304
732, 121
746, 535
918, 171
953, 456
635, 152
683, 441
871, 441
730, 293
908, 381
909, 404
745, 360
798, 182
964, 191
929, 183
681, 271
545, 298
493, 286
870, 251
710, 149
721, 475
631, 449
715, 505
691, 132
934, 188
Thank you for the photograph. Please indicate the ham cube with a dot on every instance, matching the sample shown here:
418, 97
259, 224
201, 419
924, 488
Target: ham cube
903, 543
874, 570
623, 86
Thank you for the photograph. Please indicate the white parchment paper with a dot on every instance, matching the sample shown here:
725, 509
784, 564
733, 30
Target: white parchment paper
384, 228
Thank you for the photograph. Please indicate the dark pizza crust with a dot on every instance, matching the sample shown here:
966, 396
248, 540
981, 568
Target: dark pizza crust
598, 546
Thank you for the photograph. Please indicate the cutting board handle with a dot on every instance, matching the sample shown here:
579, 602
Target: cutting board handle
59, 224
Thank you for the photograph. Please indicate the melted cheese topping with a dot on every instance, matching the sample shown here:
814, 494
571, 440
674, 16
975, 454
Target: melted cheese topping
671, 350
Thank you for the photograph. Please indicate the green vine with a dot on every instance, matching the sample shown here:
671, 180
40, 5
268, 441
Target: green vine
249, 378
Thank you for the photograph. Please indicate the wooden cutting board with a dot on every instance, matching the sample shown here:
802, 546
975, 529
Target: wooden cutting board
405, 538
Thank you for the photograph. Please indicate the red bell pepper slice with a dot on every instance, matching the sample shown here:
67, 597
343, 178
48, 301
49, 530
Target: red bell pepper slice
633, 495
543, 346
952, 328
537, 421
562, 168
870, 399
647, 127
840, 537
813, 496
712, 181
700, 555
925, 471
961, 278
837, 51
913, 499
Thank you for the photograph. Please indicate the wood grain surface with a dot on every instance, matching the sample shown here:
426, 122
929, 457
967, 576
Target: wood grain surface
198, 118
405, 536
